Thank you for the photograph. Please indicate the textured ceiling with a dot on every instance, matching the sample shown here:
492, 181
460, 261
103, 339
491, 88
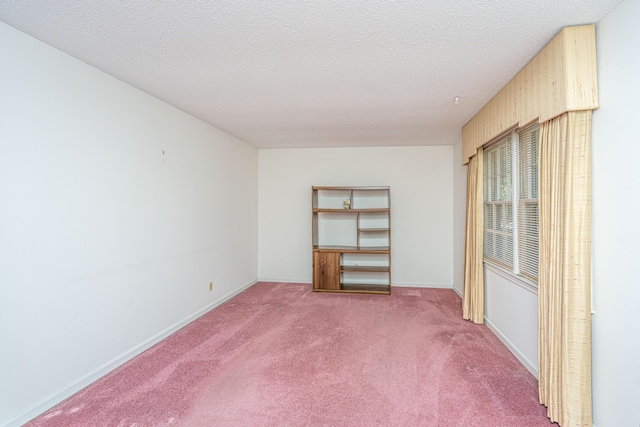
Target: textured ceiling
294, 73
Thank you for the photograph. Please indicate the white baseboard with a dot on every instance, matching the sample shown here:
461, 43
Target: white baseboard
61, 394
398, 284
421, 285
281, 280
512, 348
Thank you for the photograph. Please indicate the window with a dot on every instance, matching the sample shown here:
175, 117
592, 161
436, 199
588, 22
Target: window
511, 202
528, 141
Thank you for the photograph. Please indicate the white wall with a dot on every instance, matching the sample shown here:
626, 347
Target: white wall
421, 208
459, 213
616, 209
105, 247
511, 312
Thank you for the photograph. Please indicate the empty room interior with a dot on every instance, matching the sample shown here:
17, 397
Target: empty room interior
169, 173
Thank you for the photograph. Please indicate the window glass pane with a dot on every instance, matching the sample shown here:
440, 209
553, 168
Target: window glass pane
498, 203
528, 143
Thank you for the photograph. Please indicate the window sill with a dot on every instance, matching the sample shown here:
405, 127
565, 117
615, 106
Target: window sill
516, 280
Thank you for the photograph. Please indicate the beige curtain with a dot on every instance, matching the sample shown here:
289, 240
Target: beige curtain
564, 294
473, 287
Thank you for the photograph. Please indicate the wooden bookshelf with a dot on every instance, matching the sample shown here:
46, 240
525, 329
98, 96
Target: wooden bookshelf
351, 235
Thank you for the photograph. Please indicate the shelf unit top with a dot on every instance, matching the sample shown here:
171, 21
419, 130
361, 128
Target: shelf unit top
351, 210
349, 188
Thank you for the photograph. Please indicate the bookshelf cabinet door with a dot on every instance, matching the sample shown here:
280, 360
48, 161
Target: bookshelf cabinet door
326, 270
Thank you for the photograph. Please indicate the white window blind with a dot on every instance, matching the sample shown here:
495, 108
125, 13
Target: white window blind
498, 203
511, 202
528, 141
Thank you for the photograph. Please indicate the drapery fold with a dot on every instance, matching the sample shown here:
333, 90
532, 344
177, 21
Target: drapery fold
473, 287
564, 291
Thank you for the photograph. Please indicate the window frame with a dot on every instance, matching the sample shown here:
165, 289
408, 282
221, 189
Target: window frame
530, 183
514, 230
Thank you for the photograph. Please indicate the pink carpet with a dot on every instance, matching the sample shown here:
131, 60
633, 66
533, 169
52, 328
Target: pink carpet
281, 355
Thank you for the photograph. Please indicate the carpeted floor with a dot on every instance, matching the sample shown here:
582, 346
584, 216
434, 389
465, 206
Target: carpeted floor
281, 355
